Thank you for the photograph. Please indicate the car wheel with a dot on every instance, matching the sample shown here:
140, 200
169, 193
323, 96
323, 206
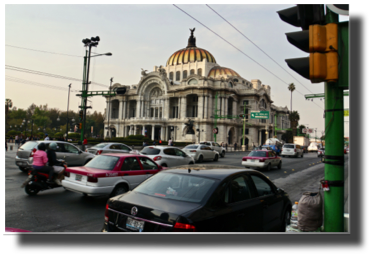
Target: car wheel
31, 190
269, 167
164, 165
119, 189
191, 163
280, 165
23, 169
216, 158
286, 220
200, 160
223, 154
302, 155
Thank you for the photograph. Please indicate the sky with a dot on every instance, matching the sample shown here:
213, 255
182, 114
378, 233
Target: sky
48, 39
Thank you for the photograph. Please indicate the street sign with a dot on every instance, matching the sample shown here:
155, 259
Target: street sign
310, 130
215, 130
260, 115
304, 131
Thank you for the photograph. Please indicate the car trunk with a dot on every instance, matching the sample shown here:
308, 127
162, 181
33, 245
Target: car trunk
25, 150
92, 150
161, 218
80, 175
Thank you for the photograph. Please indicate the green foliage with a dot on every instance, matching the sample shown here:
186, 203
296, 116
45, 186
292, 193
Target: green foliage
138, 137
287, 137
13, 133
74, 135
294, 116
58, 135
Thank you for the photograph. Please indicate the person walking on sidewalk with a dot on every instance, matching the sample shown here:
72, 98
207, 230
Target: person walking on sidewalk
235, 146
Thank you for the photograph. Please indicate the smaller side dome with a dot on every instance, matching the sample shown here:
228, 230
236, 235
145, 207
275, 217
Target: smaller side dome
221, 71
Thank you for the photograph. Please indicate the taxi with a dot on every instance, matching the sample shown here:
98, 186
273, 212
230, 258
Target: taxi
110, 174
259, 159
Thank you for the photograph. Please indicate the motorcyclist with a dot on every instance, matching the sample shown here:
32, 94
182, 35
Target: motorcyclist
57, 165
39, 162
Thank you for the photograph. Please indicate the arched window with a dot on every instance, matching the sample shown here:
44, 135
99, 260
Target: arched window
184, 74
178, 76
262, 104
171, 76
235, 80
192, 71
199, 72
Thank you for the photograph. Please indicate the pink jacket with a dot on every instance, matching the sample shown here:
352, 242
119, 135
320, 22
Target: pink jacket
40, 158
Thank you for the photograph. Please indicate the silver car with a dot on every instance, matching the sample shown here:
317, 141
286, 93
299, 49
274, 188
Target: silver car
200, 152
109, 147
65, 151
167, 156
215, 146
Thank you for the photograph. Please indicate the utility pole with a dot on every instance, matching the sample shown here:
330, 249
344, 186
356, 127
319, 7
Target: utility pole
68, 102
109, 110
243, 129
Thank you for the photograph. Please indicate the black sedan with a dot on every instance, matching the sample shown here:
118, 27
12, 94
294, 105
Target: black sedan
200, 198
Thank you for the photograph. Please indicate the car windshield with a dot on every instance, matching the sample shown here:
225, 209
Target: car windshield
192, 147
289, 146
150, 151
102, 162
174, 186
257, 154
101, 145
29, 145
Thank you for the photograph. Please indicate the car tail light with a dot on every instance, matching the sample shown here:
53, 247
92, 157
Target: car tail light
244, 159
91, 179
106, 215
32, 153
179, 227
99, 152
86, 150
261, 160
157, 158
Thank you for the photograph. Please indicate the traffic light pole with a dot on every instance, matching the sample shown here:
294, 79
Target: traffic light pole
84, 95
215, 116
334, 156
243, 129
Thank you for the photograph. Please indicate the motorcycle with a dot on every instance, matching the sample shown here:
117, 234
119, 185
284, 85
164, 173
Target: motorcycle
37, 181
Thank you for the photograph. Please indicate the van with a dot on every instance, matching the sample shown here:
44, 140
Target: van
314, 146
293, 150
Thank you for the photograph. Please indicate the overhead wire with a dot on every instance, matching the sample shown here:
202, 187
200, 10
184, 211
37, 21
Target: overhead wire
239, 50
20, 80
44, 51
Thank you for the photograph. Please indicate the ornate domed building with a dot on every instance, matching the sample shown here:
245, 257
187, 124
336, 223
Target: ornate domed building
193, 86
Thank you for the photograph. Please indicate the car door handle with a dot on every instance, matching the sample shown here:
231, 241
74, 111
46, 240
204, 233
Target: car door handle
264, 204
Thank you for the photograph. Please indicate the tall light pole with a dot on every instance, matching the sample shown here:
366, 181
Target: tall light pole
8, 104
109, 110
93, 42
68, 102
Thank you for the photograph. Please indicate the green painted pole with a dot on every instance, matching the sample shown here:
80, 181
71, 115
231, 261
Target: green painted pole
243, 130
334, 133
275, 126
215, 116
84, 94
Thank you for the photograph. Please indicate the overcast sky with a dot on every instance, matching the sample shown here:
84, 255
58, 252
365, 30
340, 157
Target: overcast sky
48, 39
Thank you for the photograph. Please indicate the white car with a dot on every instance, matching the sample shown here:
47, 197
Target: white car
167, 156
293, 150
314, 147
215, 146
200, 152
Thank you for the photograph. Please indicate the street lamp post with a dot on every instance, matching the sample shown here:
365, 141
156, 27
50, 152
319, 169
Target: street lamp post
109, 110
93, 42
68, 102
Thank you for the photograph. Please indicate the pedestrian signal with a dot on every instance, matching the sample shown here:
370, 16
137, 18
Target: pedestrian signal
80, 125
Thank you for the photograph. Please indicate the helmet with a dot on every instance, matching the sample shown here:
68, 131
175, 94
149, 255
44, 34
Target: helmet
53, 146
42, 146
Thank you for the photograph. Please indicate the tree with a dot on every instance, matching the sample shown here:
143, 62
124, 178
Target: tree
292, 88
294, 118
287, 137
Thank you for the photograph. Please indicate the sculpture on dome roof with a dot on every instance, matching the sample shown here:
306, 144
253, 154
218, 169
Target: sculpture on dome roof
191, 40
143, 72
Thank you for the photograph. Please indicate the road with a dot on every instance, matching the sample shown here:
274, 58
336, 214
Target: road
59, 210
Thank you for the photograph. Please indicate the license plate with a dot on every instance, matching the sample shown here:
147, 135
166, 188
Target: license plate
78, 177
135, 224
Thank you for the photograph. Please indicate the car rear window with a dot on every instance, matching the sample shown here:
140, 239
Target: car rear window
289, 146
150, 151
176, 187
192, 147
29, 146
257, 154
103, 162
101, 145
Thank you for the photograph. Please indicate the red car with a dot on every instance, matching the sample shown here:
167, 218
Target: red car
110, 174
262, 159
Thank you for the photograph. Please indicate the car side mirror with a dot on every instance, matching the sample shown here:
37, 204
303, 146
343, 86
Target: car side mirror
160, 167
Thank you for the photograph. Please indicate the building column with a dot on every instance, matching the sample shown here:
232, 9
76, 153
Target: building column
134, 130
152, 131
163, 134
183, 107
143, 130
206, 97
138, 108
120, 108
234, 111
200, 107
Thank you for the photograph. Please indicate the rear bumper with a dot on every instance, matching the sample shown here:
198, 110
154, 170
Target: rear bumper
23, 163
289, 154
89, 190
254, 164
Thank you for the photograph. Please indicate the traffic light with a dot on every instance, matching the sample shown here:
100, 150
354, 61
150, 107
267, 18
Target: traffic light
81, 115
242, 116
80, 125
320, 40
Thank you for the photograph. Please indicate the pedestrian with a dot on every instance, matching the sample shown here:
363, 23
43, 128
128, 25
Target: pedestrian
170, 142
235, 146
253, 146
154, 143
6, 145
85, 142
47, 137
10, 139
226, 146
16, 139
144, 144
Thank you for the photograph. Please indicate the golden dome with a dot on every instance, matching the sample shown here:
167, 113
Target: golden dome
217, 71
191, 54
